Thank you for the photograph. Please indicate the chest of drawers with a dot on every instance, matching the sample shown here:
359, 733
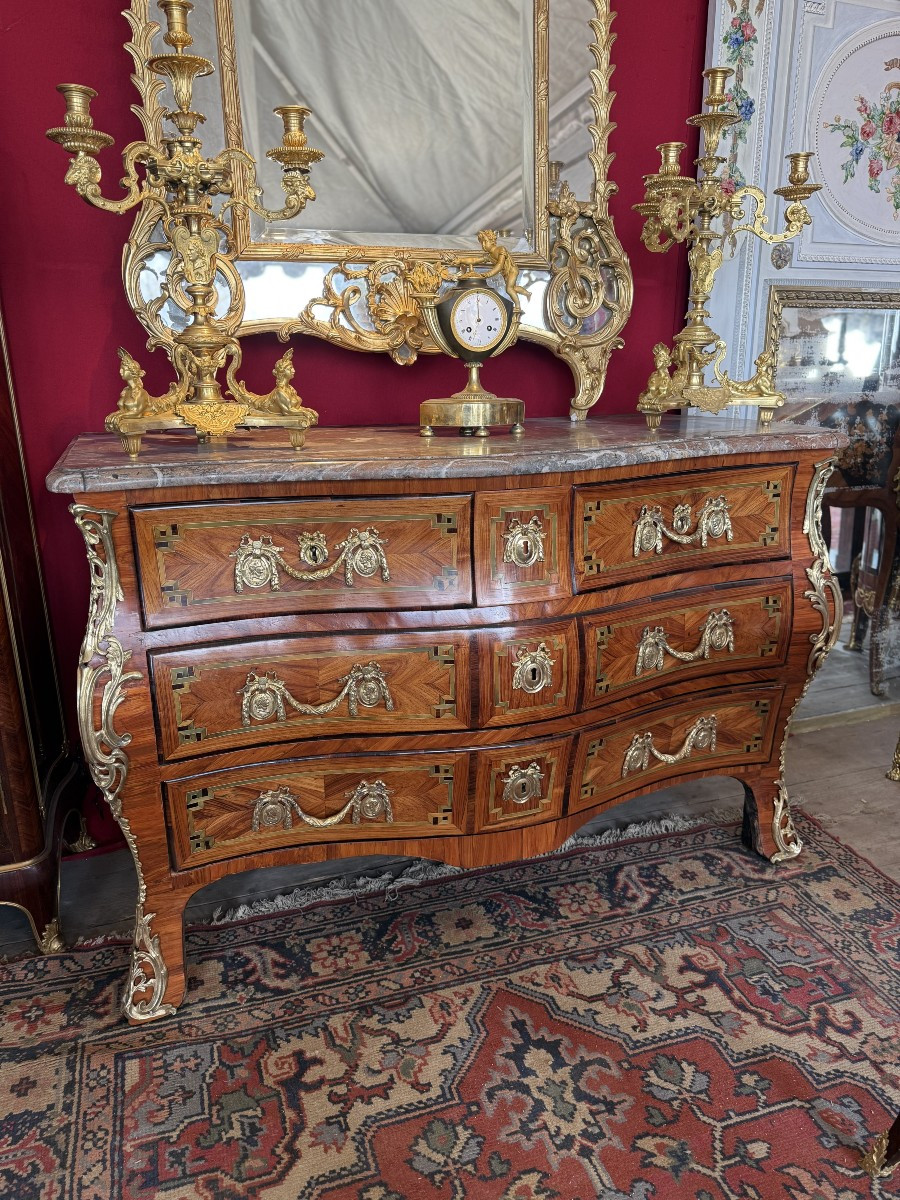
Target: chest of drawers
459, 650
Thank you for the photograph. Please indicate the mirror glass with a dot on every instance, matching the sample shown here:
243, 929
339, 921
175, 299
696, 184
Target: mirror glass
425, 111
830, 350
436, 120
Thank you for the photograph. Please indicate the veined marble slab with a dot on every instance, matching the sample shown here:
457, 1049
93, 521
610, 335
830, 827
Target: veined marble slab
96, 462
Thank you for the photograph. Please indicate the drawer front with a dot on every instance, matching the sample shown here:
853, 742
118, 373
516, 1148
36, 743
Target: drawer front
527, 673
226, 561
225, 815
219, 697
716, 732
522, 546
731, 629
520, 785
652, 527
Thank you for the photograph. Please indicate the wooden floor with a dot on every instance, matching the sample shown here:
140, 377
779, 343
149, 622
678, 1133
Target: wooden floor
842, 744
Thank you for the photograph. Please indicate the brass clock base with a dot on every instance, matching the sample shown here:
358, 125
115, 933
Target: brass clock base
473, 414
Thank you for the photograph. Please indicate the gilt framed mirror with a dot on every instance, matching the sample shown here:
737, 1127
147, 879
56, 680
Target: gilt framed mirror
436, 120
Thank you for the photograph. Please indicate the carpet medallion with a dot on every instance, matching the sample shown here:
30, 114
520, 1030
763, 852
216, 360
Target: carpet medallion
664, 1018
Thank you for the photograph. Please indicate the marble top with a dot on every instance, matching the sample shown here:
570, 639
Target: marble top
96, 462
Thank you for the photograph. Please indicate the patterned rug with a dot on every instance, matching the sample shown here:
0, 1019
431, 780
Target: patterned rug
664, 1018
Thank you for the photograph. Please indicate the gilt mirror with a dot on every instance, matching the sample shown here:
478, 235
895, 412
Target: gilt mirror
436, 120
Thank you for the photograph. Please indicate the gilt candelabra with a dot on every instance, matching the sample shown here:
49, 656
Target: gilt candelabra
680, 209
178, 187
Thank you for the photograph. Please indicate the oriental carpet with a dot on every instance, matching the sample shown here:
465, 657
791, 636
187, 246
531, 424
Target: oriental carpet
667, 1017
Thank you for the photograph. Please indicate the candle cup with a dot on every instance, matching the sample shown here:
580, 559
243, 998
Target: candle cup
716, 78
799, 170
670, 157
177, 34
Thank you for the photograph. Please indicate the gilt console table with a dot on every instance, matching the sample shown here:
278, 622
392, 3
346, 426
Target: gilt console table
455, 649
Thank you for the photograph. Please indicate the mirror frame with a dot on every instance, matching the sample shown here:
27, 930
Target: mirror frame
585, 273
815, 296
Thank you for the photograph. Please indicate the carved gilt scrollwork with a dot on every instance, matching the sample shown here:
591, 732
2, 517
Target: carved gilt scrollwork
533, 669
523, 784
258, 561
524, 544
266, 696
277, 808
701, 736
374, 307
713, 521
103, 660
716, 633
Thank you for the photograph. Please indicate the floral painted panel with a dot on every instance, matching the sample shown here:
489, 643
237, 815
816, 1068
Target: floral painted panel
740, 41
874, 136
856, 110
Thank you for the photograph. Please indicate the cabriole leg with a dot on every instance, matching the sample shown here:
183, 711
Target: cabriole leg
768, 828
156, 982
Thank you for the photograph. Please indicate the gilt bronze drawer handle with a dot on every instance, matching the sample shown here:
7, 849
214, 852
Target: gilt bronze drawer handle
534, 670
258, 561
650, 528
524, 543
716, 633
523, 784
266, 696
701, 736
276, 809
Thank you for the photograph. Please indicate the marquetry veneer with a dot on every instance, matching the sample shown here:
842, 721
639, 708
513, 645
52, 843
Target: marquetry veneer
391, 645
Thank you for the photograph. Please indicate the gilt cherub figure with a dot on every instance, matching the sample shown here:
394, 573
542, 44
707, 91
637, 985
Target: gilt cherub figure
502, 264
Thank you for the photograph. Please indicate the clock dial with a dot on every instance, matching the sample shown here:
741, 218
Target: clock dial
478, 320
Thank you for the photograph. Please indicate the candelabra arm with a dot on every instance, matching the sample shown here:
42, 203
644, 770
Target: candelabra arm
796, 215
668, 218
84, 174
298, 191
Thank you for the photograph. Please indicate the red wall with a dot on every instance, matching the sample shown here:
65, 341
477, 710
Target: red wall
60, 261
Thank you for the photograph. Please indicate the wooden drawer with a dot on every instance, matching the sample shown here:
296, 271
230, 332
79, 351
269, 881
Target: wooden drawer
527, 673
718, 731
207, 562
220, 697
223, 815
731, 629
522, 546
634, 530
520, 785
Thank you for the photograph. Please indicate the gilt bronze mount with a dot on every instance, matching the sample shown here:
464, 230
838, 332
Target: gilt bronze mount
676, 209
176, 193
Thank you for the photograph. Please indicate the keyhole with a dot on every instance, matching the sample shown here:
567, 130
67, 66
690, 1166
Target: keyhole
526, 548
316, 554
533, 674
